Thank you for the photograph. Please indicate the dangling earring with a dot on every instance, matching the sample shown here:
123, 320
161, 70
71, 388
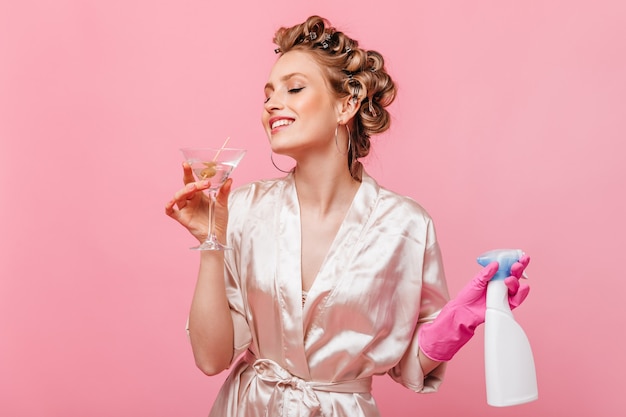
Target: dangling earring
276, 166
337, 141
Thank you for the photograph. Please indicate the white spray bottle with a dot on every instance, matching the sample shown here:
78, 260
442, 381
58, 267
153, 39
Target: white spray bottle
509, 365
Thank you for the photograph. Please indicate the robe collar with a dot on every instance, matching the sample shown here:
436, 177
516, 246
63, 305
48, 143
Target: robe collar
295, 318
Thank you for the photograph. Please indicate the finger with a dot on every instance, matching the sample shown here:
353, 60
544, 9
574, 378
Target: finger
517, 269
482, 278
512, 284
524, 260
222, 196
170, 209
181, 204
189, 192
187, 173
521, 294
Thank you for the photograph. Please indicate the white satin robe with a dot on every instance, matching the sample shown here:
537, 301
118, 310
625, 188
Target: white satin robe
381, 279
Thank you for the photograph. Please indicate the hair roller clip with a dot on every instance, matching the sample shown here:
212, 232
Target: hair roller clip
356, 89
326, 42
312, 35
371, 108
347, 50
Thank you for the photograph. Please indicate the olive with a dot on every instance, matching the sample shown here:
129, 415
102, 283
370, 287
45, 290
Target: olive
209, 171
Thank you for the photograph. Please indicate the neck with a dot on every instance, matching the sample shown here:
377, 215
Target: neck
324, 187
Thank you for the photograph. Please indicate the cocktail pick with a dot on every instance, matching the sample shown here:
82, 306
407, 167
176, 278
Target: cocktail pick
220, 149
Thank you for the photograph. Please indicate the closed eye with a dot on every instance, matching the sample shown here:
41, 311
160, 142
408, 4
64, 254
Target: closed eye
295, 90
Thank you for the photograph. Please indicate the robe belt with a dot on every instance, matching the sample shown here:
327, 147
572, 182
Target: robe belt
295, 397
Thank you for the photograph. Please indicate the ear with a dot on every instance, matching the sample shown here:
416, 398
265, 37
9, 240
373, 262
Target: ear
346, 109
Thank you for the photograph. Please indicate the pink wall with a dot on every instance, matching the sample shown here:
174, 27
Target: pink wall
509, 129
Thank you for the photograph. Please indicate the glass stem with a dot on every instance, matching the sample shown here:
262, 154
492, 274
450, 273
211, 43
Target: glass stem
211, 235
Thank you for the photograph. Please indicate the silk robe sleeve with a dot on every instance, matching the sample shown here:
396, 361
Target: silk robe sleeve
237, 214
408, 371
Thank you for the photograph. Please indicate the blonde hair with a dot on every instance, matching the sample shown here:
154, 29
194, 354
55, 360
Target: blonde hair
350, 71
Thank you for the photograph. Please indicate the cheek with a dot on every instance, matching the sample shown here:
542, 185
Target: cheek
312, 105
319, 109
265, 125
265, 120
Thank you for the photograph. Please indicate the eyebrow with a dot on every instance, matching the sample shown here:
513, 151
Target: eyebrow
284, 78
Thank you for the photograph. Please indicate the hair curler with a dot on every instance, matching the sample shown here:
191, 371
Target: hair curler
509, 365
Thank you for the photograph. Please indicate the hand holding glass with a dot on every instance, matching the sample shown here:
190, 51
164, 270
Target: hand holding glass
215, 165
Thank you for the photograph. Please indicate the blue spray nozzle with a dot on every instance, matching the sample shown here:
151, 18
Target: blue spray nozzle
505, 258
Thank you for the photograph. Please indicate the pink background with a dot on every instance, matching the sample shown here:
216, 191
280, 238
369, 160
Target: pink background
508, 128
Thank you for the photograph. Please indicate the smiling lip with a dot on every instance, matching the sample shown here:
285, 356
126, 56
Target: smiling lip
279, 122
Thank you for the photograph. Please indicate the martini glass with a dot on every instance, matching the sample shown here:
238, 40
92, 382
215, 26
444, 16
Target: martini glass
215, 165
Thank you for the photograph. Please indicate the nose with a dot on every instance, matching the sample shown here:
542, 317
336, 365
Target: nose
273, 103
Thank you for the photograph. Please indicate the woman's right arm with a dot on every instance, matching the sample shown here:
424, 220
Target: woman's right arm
210, 321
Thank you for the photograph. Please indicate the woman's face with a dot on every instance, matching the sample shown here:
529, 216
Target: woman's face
300, 112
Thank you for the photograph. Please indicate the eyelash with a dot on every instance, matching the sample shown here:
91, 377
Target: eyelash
291, 91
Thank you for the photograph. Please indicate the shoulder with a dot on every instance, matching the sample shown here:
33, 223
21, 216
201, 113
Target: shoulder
404, 215
255, 190
403, 206
258, 199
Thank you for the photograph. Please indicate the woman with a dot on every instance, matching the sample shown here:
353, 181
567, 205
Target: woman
333, 279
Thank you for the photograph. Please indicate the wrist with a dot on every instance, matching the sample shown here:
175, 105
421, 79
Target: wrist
442, 338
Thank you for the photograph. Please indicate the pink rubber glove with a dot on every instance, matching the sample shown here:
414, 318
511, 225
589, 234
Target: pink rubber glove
442, 338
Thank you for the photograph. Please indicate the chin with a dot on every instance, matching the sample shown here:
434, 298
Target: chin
278, 145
